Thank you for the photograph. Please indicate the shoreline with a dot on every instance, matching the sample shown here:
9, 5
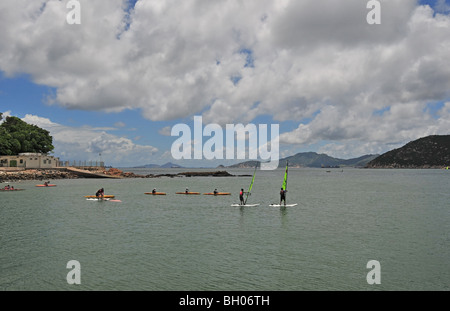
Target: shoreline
14, 175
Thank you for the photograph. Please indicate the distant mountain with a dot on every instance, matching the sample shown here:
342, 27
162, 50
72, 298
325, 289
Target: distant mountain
171, 165
246, 164
167, 165
313, 159
147, 166
426, 152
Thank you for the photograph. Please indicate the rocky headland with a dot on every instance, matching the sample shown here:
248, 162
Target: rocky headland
427, 152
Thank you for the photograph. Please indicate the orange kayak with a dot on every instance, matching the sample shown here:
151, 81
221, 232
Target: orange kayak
187, 193
156, 193
218, 193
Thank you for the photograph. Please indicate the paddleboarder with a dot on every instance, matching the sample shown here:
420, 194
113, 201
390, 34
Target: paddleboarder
283, 196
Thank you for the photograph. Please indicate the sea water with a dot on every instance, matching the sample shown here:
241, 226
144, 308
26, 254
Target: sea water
344, 219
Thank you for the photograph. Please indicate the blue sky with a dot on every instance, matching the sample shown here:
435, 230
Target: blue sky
119, 82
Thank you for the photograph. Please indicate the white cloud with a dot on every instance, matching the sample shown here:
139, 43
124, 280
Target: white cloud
290, 59
87, 143
165, 131
442, 6
5, 115
120, 124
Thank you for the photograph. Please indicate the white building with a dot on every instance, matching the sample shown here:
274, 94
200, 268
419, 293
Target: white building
29, 160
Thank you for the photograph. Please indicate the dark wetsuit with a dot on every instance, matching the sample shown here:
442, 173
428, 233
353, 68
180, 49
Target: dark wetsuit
241, 197
283, 196
99, 193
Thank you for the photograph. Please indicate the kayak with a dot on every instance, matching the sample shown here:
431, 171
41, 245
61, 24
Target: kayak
49, 185
101, 200
105, 196
218, 193
156, 193
11, 189
187, 193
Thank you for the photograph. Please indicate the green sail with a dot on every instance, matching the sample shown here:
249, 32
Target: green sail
251, 184
253, 180
285, 177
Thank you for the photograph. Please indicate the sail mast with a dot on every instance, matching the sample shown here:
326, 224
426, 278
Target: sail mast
251, 184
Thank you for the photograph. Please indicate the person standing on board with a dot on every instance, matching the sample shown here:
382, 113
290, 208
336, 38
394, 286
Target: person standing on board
283, 196
241, 196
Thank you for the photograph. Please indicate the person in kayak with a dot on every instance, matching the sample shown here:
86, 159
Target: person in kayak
283, 196
187, 191
216, 192
154, 190
100, 193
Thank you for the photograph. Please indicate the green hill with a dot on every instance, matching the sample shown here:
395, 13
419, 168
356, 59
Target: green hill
427, 152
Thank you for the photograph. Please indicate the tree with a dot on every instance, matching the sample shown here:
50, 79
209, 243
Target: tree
17, 136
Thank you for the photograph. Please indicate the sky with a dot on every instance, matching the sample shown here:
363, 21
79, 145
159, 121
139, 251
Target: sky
112, 87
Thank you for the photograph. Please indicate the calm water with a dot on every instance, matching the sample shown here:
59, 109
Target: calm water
344, 219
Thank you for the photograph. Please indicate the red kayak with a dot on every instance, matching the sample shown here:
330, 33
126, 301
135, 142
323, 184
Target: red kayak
49, 185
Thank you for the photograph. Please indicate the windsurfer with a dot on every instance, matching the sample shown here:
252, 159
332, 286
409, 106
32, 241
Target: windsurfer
241, 196
283, 196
